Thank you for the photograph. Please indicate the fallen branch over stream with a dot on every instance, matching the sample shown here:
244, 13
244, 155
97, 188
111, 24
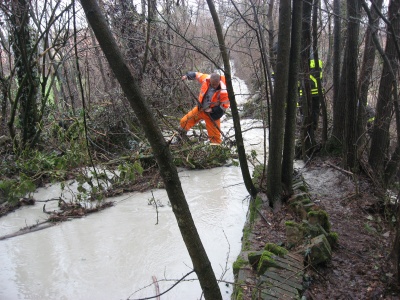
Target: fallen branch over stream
68, 212
28, 229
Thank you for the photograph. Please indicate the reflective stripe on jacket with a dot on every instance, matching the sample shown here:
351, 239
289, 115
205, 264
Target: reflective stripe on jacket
220, 97
313, 82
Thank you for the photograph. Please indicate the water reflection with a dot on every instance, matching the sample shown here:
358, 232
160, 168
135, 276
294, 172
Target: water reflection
115, 252
110, 254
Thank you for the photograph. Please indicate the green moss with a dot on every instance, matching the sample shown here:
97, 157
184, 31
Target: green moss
238, 291
300, 186
319, 250
319, 217
333, 238
240, 262
246, 238
254, 206
239, 295
266, 261
290, 224
258, 175
312, 230
306, 200
277, 250
257, 172
254, 258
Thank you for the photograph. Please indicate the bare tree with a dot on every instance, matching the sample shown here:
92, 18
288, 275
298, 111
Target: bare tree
25, 56
351, 58
290, 125
201, 263
307, 130
318, 102
338, 101
271, 32
274, 169
366, 72
380, 136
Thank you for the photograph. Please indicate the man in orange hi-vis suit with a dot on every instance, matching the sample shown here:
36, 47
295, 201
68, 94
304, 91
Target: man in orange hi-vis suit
212, 102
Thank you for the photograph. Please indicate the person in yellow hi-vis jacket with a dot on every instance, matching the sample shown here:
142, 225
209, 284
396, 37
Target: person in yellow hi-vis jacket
314, 72
315, 101
213, 101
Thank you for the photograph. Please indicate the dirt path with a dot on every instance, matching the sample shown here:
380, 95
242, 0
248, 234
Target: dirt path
359, 268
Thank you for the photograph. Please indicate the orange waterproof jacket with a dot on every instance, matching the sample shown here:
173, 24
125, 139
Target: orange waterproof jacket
221, 95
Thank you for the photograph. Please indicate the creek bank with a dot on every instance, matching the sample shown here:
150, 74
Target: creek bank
357, 234
277, 270
128, 174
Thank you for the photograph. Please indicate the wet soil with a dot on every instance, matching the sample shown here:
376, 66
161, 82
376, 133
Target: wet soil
360, 267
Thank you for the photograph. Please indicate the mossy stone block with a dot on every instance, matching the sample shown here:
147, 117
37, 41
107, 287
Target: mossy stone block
254, 258
266, 261
298, 197
301, 186
275, 249
294, 233
299, 209
238, 264
312, 230
319, 251
319, 217
333, 239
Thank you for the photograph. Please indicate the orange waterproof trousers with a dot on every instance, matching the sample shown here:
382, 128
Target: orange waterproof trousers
195, 116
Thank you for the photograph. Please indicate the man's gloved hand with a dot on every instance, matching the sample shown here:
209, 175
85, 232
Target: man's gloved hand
217, 112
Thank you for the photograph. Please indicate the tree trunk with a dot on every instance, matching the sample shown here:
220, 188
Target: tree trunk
267, 82
27, 73
366, 73
132, 33
235, 114
61, 83
396, 248
350, 137
4, 82
99, 61
271, 33
70, 85
307, 130
129, 84
274, 169
320, 102
380, 135
290, 126
338, 101
4, 97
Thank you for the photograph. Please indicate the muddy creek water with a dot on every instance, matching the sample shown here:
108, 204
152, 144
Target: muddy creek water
116, 253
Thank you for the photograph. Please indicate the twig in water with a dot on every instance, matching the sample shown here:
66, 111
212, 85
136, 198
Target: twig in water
155, 203
156, 286
226, 268
163, 293
48, 200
